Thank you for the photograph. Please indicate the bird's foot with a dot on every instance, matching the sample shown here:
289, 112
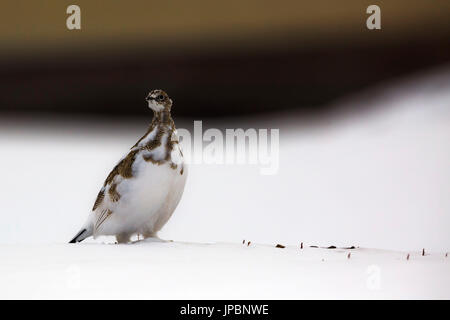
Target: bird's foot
123, 238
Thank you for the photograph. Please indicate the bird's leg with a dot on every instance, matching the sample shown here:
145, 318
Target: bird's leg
123, 238
147, 235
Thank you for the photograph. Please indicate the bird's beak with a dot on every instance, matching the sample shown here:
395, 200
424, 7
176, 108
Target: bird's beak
149, 98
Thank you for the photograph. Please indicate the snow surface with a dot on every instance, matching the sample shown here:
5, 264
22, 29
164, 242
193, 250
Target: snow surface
176, 270
377, 179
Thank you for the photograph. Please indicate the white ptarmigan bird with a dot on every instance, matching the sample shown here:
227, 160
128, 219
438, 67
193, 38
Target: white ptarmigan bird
144, 188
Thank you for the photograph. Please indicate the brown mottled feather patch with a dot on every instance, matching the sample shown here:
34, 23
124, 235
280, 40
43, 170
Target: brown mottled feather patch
114, 172
149, 158
125, 166
150, 129
99, 199
115, 196
170, 142
156, 142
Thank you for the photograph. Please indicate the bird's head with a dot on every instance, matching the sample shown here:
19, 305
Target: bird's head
159, 101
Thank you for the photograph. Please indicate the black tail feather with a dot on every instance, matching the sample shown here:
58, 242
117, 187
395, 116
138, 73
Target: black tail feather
75, 239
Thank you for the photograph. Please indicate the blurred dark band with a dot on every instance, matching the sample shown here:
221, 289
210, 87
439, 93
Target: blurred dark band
209, 85
214, 59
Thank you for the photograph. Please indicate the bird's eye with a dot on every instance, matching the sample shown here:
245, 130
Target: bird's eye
160, 97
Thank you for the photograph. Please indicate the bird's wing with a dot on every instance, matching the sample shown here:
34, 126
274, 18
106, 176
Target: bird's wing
99, 200
101, 217
100, 210
101, 206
